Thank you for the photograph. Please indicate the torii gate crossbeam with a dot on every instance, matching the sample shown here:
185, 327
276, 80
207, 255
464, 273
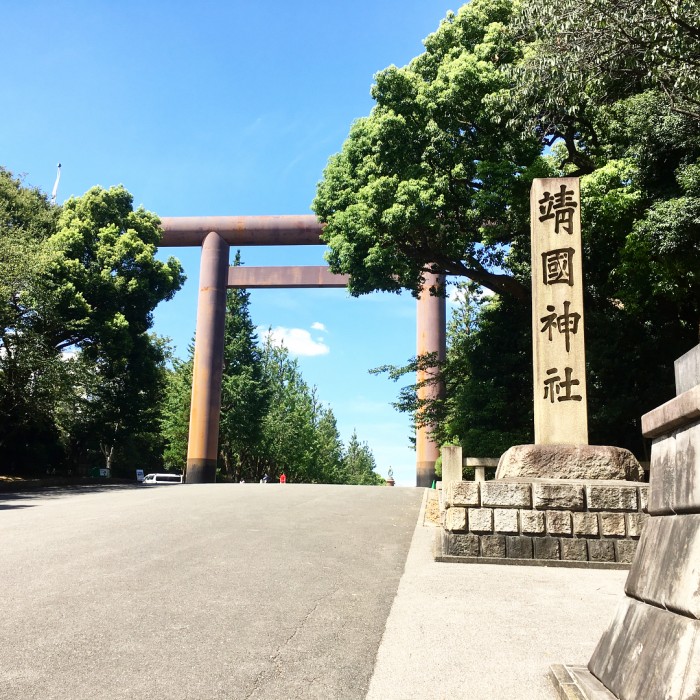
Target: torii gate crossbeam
215, 235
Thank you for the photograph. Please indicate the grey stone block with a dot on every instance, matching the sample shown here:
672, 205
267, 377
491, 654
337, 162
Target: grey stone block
648, 653
546, 547
505, 520
691, 688
531, 522
462, 493
675, 472
625, 550
519, 547
674, 414
586, 524
550, 495
480, 519
611, 497
601, 550
558, 522
662, 475
451, 463
644, 498
687, 482
463, 545
666, 571
573, 550
612, 524
493, 546
635, 523
456, 519
686, 370
506, 494
578, 683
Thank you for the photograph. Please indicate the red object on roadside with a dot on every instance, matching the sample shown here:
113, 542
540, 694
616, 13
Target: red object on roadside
283, 478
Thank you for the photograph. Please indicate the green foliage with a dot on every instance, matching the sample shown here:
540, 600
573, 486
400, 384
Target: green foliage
430, 179
245, 397
103, 274
175, 413
80, 375
607, 49
288, 427
359, 465
31, 373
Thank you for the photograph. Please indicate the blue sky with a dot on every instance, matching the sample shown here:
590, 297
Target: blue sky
223, 108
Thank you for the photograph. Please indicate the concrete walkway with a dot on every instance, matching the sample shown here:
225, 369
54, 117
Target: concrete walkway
487, 632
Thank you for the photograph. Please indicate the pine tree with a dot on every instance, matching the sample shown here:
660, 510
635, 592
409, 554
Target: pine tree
245, 393
359, 464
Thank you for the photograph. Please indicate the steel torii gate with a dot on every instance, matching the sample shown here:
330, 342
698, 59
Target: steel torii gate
215, 235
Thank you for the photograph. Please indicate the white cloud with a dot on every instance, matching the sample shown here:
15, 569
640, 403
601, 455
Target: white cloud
297, 340
318, 326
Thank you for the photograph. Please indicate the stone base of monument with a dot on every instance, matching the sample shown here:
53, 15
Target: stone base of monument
551, 522
651, 649
569, 462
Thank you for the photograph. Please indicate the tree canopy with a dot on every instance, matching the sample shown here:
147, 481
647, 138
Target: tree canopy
607, 49
79, 371
431, 179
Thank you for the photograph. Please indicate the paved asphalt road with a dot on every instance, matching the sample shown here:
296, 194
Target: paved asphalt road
198, 592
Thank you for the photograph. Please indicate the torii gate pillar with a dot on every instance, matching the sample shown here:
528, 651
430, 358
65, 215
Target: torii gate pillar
430, 338
205, 411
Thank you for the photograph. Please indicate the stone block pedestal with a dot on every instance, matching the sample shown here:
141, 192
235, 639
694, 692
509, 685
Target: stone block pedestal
551, 522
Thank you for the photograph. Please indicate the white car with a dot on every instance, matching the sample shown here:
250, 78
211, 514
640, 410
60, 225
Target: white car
151, 479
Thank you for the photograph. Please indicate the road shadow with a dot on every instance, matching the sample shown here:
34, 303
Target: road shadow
18, 495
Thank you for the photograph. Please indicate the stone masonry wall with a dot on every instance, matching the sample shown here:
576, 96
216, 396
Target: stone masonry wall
545, 520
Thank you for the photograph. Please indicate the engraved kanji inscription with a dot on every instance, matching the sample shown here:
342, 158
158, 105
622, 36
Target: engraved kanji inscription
556, 387
559, 206
557, 266
566, 323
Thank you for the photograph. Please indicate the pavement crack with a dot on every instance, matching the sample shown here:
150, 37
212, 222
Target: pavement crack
278, 653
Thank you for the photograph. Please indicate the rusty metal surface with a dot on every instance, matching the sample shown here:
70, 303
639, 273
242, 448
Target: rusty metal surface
303, 229
300, 277
430, 337
205, 410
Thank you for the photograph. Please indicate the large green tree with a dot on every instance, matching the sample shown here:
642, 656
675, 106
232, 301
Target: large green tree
79, 285
31, 373
359, 464
175, 412
107, 282
430, 179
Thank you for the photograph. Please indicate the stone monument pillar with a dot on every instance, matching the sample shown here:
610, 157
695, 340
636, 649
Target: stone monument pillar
561, 448
558, 350
560, 501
